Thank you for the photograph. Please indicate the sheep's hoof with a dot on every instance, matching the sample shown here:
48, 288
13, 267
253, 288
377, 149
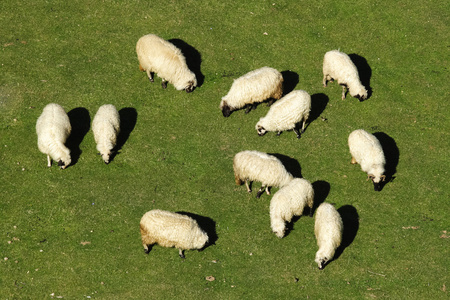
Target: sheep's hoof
164, 85
258, 195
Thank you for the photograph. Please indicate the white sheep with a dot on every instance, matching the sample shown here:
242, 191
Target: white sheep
290, 201
169, 229
251, 166
251, 89
328, 229
286, 113
366, 150
106, 128
338, 66
53, 128
157, 55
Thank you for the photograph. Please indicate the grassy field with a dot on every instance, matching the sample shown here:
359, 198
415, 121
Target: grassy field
74, 233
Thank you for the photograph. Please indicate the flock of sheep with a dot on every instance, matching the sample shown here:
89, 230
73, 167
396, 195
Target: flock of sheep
169, 229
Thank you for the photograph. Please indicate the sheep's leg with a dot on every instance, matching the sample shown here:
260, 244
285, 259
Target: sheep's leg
353, 161
260, 192
150, 75
249, 189
164, 84
303, 126
279, 133
324, 81
267, 190
344, 91
180, 252
49, 161
147, 248
299, 134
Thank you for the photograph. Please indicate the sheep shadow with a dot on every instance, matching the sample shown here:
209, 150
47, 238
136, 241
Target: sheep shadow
364, 70
290, 81
350, 220
207, 224
80, 122
318, 104
193, 59
128, 119
292, 165
392, 156
321, 191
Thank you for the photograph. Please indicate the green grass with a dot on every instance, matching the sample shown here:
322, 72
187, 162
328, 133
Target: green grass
74, 233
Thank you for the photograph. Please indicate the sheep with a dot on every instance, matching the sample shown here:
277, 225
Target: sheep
338, 66
157, 55
286, 113
290, 201
259, 166
53, 128
169, 229
251, 89
106, 128
366, 150
328, 228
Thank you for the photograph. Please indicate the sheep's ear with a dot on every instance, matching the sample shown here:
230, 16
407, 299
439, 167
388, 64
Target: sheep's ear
370, 177
383, 177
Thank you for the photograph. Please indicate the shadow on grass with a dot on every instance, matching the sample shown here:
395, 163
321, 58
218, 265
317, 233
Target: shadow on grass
350, 219
193, 59
392, 155
321, 191
318, 104
206, 224
128, 119
290, 81
81, 123
364, 70
292, 165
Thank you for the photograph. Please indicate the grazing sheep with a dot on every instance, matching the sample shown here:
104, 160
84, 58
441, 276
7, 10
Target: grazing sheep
52, 128
290, 201
286, 113
259, 166
367, 151
106, 127
157, 55
169, 229
338, 66
328, 228
252, 88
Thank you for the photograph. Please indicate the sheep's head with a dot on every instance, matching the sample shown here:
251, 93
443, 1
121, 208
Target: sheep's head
377, 181
226, 110
260, 129
106, 156
190, 86
64, 162
361, 95
321, 262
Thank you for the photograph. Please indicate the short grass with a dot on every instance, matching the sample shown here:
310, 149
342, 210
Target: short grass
74, 233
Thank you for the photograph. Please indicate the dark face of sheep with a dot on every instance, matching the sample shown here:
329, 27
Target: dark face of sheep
190, 87
226, 110
322, 262
377, 184
261, 130
61, 164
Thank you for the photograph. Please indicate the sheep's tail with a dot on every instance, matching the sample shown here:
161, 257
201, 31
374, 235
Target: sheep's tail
237, 179
279, 90
145, 236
